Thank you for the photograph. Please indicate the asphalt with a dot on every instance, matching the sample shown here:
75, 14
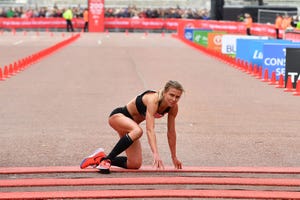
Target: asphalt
55, 112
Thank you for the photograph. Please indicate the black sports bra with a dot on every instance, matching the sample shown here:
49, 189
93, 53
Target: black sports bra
141, 107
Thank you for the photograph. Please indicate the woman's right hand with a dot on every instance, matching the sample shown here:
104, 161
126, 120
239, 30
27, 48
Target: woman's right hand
157, 163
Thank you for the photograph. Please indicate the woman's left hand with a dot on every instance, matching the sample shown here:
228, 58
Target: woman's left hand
177, 163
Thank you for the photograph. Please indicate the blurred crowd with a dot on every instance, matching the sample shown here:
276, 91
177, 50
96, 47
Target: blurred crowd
129, 12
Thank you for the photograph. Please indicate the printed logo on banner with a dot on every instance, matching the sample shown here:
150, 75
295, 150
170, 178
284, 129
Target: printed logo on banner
215, 40
201, 37
95, 8
96, 15
188, 34
189, 25
275, 58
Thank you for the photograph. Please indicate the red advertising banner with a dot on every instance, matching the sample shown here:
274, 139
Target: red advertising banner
143, 23
292, 35
15, 23
97, 24
96, 15
78, 23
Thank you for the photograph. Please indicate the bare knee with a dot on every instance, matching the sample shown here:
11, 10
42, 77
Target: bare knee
134, 164
136, 133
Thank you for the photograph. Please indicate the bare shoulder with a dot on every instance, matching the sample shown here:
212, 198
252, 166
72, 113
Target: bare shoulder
173, 110
150, 98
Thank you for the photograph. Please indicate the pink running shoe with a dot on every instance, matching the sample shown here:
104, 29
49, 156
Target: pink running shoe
104, 166
94, 159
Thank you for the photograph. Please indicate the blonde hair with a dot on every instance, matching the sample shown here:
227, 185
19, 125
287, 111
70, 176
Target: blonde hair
168, 85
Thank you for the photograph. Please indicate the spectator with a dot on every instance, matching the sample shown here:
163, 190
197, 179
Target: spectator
286, 22
86, 20
2, 13
68, 16
298, 24
42, 12
248, 22
29, 13
129, 12
278, 22
10, 13
57, 12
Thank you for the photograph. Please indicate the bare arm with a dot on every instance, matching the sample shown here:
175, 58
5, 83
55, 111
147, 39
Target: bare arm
150, 124
172, 136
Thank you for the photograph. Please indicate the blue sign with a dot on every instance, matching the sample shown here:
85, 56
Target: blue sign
275, 57
189, 33
251, 50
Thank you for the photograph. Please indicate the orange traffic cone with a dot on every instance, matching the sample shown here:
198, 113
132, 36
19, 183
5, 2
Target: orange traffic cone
245, 67
266, 76
259, 73
297, 92
249, 69
11, 70
273, 79
280, 82
289, 85
16, 67
6, 74
1, 75
255, 70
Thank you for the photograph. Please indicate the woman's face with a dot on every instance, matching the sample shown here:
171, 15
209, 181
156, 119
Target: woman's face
172, 96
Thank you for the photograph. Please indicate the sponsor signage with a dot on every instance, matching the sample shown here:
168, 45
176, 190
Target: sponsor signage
215, 40
201, 37
292, 65
189, 32
275, 58
96, 15
229, 42
252, 50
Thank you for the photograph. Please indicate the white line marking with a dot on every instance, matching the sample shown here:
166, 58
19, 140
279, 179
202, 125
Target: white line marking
18, 42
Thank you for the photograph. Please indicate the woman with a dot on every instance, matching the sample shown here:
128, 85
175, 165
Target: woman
125, 120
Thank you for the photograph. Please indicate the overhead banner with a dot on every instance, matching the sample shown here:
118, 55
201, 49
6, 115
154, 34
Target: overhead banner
96, 15
292, 65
